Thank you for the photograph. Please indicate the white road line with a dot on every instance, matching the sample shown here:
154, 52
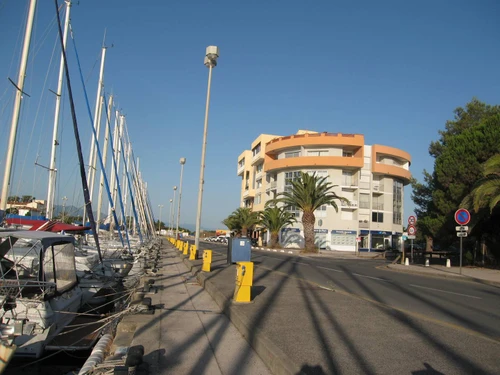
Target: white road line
330, 269
305, 264
370, 277
444, 291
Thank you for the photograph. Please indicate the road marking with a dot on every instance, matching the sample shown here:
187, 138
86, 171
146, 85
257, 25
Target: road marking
330, 269
444, 291
370, 277
305, 264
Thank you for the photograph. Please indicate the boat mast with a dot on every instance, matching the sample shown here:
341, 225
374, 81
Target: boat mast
17, 106
104, 158
52, 166
97, 125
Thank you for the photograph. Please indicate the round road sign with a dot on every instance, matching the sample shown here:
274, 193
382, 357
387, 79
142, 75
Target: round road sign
412, 220
412, 230
462, 216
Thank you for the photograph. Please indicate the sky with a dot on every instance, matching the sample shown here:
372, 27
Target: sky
393, 71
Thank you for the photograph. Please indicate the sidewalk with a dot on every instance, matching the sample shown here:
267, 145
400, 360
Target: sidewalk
188, 333
297, 327
476, 274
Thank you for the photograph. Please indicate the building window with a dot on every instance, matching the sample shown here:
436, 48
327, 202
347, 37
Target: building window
241, 164
397, 202
256, 150
258, 199
347, 154
259, 183
364, 201
377, 204
377, 217
317, 153
292, 154
259, 168
289, 177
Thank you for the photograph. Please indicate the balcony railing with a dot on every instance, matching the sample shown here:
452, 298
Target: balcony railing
271, 185
241, 169
378, 188
377, 206
351, 204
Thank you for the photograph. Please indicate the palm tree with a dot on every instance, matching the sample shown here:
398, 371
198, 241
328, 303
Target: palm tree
274, 218
243, 218
231, 224
308, 193
486, 192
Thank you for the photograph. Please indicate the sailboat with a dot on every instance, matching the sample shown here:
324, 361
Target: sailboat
39, 291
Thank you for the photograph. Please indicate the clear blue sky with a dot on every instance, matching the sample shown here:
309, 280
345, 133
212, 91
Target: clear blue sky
391, 70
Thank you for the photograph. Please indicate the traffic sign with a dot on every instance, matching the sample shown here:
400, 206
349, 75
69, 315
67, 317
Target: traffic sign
462, 216
462, 228
411, 237
412, 220
411, 230
461, 234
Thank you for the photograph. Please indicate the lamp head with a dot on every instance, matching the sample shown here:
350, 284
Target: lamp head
182, 161
175, 187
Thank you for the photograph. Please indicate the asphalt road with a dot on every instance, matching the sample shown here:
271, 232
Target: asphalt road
462, 305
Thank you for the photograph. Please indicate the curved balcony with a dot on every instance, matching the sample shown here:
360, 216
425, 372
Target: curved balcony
313, 161
399, 171
314, 139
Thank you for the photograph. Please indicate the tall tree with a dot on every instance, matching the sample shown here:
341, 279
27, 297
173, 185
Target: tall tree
308, 193
468, 141
274, 218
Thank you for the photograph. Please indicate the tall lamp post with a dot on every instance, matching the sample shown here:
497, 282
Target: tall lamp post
182, 161
64, 199
211, 55
170, 218
159, 221
173, 213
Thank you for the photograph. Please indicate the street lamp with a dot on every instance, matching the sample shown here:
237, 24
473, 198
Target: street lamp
64, 199
173, 213
159, 221
170, 218
182, 161
211, 55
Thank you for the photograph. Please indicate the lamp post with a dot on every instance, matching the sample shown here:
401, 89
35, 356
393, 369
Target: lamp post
173, 213
159, 221
211, 55
64, 199
170, 218
182, 161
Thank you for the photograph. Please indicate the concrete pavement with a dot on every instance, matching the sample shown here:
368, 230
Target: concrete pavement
300, 328
188, 333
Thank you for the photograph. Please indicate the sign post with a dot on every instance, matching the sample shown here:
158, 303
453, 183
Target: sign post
412, 230
462, 217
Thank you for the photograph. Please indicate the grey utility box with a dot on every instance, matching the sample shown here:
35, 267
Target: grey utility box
239, 249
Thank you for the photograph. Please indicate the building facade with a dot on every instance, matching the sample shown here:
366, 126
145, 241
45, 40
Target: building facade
371, 177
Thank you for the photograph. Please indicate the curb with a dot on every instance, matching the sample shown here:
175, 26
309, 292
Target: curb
271, 355
443, 276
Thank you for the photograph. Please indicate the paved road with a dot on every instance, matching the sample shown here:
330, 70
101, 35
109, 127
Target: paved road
462, 305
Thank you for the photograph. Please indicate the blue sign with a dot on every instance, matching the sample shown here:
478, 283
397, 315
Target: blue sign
344, 232
284, 230
364, 232
383, 233
320, 230
462, 216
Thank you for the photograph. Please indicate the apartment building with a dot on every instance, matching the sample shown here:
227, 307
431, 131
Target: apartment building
371, 177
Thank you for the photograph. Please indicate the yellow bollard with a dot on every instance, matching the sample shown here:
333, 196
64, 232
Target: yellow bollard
207, 260
244, 281
185, 248
181, 246
192, 252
